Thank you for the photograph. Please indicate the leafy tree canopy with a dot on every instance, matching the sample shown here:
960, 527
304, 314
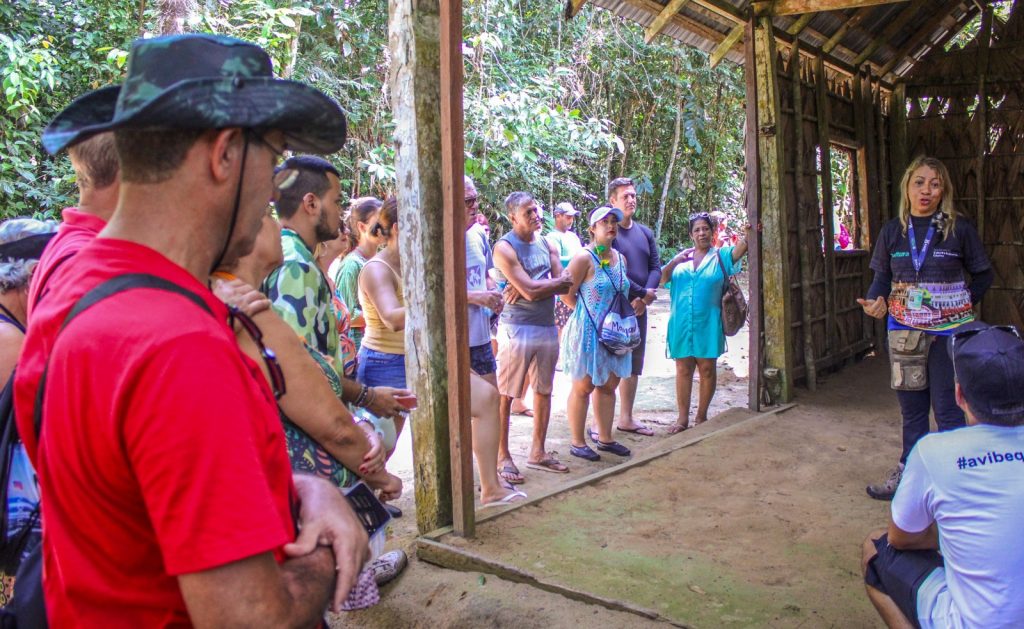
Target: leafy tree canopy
553, 107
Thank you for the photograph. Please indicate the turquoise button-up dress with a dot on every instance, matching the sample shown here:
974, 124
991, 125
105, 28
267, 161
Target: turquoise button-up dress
695, 319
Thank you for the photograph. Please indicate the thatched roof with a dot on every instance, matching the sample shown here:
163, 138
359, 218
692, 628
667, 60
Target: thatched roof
887, 36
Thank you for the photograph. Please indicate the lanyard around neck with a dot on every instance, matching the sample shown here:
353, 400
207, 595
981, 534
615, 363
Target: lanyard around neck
917, 257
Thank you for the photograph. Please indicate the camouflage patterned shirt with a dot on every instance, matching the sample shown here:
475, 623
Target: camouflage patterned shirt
302, 297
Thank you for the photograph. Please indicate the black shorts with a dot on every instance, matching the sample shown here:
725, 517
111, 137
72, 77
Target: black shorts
900, 573
638, 353
481, 359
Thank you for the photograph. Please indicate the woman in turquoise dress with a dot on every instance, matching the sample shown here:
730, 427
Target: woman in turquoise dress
695, 336
598, 273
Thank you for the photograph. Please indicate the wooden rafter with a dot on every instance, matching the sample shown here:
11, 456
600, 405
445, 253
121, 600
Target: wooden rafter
853, 22
722, 8
660, 22
897, 24
800, 24
680, 20
572, 8
727, 44
923, 33
794, 7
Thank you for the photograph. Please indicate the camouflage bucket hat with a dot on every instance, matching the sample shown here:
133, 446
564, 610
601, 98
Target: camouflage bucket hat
203, 82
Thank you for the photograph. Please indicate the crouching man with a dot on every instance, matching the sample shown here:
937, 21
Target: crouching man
952, 556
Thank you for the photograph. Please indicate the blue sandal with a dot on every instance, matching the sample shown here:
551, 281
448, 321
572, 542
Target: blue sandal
584, 452
614, 447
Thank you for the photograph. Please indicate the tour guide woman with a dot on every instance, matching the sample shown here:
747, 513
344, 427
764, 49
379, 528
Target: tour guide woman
695, 336
919, 262
598, 273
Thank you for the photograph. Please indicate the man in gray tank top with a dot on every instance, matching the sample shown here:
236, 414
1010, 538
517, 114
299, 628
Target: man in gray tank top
527, 335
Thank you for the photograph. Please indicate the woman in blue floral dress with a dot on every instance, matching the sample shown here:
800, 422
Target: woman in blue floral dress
598, 272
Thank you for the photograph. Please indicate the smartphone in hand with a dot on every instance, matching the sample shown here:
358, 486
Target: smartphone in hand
408, 401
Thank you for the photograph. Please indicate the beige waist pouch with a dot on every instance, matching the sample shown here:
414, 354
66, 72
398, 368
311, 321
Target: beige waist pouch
908, 359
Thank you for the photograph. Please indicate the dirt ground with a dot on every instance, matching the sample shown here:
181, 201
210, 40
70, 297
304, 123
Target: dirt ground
757, 526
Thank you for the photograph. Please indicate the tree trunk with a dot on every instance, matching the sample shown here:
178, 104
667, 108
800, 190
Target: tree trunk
173, 15
671, 164
416, 102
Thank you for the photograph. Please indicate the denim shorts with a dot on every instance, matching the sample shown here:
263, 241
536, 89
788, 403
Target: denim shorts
377, 369
481, 359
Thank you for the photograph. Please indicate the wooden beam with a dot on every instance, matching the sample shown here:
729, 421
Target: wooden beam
660, 22
797, 26
573, 7
898, 141
922, 34
460, 428
981, 120
776, 299
773, 8
416, 105
752, 183
804, 249
853, 22
721, 8
828, 229
686, 23
894, 26
727, 44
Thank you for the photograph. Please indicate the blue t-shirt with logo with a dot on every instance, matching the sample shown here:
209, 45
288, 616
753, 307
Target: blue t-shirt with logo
936, 298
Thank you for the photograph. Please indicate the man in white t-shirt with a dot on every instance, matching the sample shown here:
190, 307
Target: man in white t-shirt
567, 243
962, 493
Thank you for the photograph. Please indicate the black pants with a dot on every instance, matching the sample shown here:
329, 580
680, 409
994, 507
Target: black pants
940, 396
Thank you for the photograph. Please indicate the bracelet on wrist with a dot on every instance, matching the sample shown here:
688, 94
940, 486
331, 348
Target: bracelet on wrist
361, 400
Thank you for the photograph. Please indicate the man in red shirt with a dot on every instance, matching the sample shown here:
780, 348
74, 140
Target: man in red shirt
168, 498
97, 175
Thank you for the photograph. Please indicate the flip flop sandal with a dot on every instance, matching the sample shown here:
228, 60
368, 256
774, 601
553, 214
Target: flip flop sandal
512, 498
675, 429
550, 464
526, 412
511, 474
584, 452
639, 430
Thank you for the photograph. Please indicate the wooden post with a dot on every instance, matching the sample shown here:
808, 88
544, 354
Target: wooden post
753, 200
981, 119
774, 206
828, 229
415, 46
456, 307
898, 142
810, 369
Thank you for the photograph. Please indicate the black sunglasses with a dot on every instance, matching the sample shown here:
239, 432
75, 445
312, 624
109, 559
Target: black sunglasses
962, 336
268, 355
257, 137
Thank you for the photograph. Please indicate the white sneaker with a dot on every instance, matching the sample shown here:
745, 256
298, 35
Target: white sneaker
388, 566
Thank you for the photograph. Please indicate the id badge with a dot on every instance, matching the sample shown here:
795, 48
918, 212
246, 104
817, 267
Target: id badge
915, 297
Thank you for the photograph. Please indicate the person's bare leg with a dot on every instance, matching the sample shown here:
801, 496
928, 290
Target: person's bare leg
484, 403
604, 409
708, 369
684, 390
576, 409
519, 406
887, 608
541, 416
504, 456
627, 395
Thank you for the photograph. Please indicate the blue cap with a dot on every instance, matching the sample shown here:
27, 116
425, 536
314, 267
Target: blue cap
989, 365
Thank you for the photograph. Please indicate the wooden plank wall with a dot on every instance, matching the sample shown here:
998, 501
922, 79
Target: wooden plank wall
817, 108
968, 111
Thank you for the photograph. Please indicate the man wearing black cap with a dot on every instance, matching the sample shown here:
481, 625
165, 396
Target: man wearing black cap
962, 492
167, 492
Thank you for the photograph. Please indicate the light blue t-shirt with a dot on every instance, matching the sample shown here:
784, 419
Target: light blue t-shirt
478, 261
971, 482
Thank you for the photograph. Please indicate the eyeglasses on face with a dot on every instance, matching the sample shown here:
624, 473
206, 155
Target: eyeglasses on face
961, 337
257, 137
471, 200
269, 357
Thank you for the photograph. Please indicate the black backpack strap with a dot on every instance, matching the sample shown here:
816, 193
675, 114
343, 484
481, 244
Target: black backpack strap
109, 288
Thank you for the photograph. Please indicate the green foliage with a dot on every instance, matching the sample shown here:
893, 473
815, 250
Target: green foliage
553, 107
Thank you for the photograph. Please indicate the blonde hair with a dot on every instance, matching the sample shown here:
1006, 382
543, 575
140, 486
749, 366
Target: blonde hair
945, 204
